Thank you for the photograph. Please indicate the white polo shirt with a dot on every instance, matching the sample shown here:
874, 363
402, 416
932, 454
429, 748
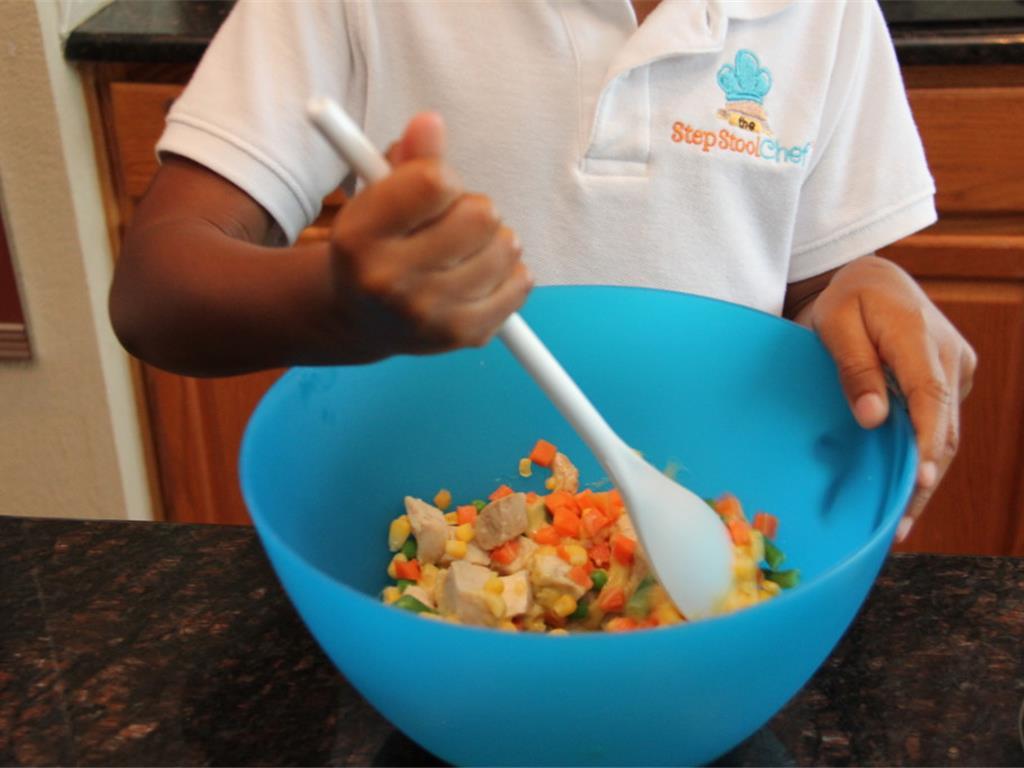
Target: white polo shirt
721, 148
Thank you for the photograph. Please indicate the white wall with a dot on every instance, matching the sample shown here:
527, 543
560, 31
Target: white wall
69, 437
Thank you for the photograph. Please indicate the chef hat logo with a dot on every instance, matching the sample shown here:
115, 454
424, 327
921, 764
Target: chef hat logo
745, 79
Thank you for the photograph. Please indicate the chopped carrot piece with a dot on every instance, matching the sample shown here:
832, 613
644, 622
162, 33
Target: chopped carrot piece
623, 548
586, 498
621, 624
501, 492
531, 497
506, 553
579, 574
740, 531
766, 524
408, 570
546, 535
592, 521
566, 522
615, 502
465, 514
611, 599
543, 453
728, 506
600, 553
560, 500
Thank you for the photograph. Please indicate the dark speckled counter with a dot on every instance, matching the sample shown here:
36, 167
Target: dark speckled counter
164, 644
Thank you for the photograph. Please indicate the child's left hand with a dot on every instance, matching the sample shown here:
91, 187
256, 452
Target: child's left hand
872, 314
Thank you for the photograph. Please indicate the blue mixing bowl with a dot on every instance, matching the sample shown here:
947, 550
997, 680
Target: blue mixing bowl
738, 400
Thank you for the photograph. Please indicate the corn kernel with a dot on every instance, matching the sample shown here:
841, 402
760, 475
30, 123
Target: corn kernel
558, 632
428, 576
536, 625
666, 614
494, 585
548, 596
465, 532
550, 483
443, 499
495, 604
744, 568
577, 554
525, 467
455, 549
771, 587
508, 626
564, 605
390, 594
398, 532
452, 518
757, 546
399, 558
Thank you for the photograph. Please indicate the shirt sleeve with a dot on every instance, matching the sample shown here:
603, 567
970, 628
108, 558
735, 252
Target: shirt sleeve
243, 114
868, 184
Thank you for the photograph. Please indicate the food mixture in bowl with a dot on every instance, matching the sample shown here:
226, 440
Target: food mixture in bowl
565, 561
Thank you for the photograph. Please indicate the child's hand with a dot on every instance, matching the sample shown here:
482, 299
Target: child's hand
871, 314
420, 264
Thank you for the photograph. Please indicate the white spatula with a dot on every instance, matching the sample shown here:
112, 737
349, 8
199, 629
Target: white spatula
689, 547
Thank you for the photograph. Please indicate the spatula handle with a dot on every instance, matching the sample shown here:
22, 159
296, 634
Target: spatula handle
365, 159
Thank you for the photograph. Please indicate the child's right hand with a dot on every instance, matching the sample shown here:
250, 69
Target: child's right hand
419, 264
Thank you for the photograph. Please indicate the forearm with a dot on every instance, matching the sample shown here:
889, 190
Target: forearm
191, 299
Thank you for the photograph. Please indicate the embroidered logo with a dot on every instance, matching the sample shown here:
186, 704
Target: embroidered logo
745, 84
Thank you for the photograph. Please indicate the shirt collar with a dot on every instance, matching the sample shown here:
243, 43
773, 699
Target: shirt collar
678, 27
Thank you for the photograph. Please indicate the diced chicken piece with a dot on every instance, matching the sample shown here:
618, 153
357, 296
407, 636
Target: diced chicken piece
464, 595
425, 597
553, 571
517, 594
526, 549
429, 528
474, 554
565, 474
501, 520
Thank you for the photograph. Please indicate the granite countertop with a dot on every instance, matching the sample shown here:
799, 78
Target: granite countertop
924, 31
169, 644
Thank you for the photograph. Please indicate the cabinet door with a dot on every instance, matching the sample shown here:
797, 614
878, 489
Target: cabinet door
978, 282
195, 426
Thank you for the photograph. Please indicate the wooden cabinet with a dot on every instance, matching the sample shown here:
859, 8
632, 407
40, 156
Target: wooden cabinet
971, 263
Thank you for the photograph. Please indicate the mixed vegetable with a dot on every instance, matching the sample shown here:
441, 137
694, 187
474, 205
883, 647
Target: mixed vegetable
565, 560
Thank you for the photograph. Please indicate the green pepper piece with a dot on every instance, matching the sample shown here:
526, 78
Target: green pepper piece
785, 579
410, 603
639, 603
772, 554
402, 584
581, 612
479, 504
600, 578
409, 548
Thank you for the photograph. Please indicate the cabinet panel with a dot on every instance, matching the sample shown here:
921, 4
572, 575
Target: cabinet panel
972, 140
198, 426
977, 509
138, 115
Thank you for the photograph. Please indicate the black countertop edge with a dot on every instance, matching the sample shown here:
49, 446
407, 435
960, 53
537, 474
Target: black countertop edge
178, 31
